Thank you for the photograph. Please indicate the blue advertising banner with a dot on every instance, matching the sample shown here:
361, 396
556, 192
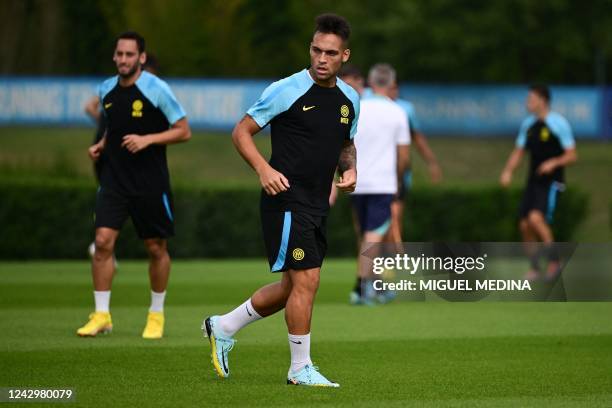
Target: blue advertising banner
218, 104
210, 104
498, 110
607, 114
38, 101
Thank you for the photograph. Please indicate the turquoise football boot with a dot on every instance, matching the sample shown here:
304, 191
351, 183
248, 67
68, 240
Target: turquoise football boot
221, 345
310, 376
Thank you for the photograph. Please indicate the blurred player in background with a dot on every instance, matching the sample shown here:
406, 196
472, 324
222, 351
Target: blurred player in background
142, 117
92, 109
352, 76
419, 141
548, 138
382, 142
313, 117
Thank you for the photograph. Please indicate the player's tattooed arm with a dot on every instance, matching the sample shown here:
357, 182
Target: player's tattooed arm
348, 157
347, 167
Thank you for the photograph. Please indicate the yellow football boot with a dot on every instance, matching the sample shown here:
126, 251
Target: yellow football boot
155, 326
99, 322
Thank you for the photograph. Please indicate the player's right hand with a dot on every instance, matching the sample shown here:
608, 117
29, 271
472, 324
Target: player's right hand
94, 151
272, 181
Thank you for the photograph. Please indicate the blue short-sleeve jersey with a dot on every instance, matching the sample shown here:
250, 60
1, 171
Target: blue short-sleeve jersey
309, 126
545, 139
147, 107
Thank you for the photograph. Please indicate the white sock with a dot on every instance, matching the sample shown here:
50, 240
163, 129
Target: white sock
102, 299
300, 351
157, 301
238, 318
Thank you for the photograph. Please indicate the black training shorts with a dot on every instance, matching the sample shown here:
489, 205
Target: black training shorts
152, 214
294, 240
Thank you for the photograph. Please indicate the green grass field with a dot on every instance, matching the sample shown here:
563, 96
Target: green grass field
404, 354
210, 159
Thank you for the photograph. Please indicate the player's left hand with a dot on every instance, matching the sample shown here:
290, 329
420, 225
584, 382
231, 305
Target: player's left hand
547, 167
347, 181
135, 143
435, 173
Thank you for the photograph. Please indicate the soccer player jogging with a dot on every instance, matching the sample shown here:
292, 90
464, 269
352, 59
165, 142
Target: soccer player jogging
142, 117
419, 141
313, 117
93, 110
548, 138
382, 140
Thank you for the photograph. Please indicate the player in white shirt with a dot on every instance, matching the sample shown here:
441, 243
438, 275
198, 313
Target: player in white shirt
419, 143
382, 142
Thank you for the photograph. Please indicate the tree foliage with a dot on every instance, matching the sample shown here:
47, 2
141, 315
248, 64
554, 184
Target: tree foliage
476, 41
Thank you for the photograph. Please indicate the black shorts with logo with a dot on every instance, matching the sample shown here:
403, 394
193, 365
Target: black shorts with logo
294, 240
152, 214
541, 196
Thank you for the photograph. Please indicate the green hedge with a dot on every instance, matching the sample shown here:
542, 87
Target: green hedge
53, 219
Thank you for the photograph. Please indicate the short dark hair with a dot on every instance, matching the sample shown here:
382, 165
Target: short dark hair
541, 90
133, 35
151, 63
333, 24
350, 70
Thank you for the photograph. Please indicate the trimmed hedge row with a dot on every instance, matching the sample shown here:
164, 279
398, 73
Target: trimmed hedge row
55, 220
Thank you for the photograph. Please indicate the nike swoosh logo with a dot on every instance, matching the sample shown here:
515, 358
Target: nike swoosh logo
296, 342
108, 105
223, 359
307, 108
247, 308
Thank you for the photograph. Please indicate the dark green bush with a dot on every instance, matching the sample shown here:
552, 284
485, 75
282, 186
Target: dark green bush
50, 219
610, 216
